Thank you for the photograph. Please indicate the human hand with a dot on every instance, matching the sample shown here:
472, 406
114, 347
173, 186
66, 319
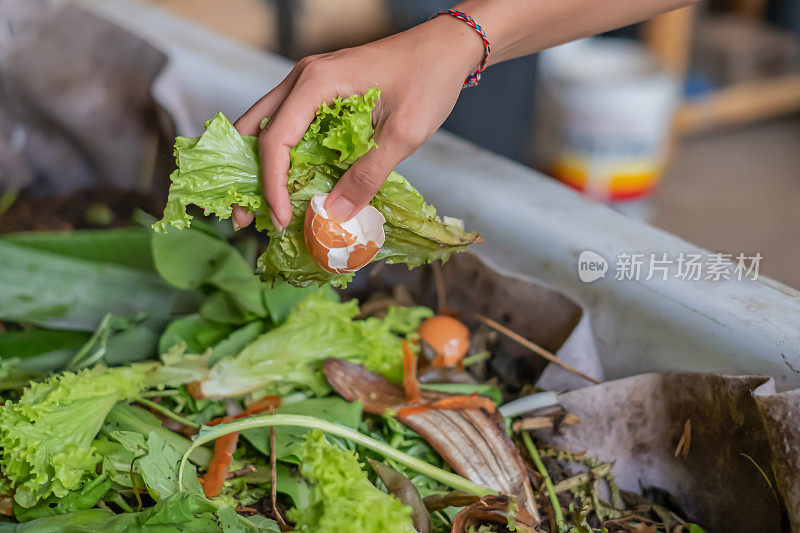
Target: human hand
420, 73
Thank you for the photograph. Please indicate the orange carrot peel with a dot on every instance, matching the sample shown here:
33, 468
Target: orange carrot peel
472, 401
410, 383
220, 465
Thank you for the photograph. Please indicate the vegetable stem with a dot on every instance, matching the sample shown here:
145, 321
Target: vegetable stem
166, 412
548, 483
477, 358
447, 478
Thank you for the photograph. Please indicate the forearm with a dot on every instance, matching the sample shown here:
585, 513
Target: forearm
520, 27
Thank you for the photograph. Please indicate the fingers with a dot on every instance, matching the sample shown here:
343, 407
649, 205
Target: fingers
240, 218
363, 180
285, 130
250, 124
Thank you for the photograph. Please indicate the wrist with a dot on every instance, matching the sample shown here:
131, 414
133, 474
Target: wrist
463, 46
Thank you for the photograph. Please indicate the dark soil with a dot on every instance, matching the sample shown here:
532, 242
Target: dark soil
83, 209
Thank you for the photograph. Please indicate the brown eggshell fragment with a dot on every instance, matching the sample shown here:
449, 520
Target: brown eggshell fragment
448, 337
341, 247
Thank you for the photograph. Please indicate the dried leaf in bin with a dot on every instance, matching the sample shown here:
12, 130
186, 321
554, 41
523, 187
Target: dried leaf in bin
405, 491
456, 498
492, 509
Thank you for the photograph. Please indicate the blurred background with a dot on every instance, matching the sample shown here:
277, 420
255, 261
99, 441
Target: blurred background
690, 121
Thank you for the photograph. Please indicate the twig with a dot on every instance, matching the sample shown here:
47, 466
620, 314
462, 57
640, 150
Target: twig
241, 472
686, 440
574, 481
166, 412
764, 474
541, 422
548, 483
533, 347
133, 483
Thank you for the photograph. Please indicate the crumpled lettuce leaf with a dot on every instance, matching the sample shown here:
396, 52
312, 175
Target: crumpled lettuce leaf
221, 167
343, 499
47, 435
289, 357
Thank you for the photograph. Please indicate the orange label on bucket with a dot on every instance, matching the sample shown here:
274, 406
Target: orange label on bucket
623, 182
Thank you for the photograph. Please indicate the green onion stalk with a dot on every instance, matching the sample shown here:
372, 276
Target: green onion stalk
207, 434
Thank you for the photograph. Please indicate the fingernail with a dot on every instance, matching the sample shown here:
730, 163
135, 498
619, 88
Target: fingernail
236, 226
278, 225
341, 209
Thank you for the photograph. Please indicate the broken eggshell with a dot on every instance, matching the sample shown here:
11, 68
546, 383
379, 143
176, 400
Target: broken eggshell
341, 247
448, 337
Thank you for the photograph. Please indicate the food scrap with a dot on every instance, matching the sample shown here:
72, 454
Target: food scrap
340, 247
447, 336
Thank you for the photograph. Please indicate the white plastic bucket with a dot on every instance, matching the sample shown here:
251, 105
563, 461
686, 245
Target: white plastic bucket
605, 112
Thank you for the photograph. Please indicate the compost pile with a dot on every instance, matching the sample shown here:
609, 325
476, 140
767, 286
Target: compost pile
151, 380
205, 400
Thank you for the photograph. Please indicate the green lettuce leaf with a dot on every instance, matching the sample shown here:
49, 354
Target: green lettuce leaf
160, 469
131, 426
74, 501
221, 168
47, 435
289, 357
343, 499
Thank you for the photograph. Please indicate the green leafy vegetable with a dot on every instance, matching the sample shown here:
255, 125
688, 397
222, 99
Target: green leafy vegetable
57, 291
343, 499
388, 430
406, 320
289, 440
190, 513
221, 168
46, 436
96, 348
160, 469
289, 357
201, 259
28, 354
207, 434
38, 342
128, 247
74, 501
129, 418
195, 259
235, 342
195, 332
34, 354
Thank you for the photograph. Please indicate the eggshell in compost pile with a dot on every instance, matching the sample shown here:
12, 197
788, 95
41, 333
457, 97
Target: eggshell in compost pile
341, 247
448, 337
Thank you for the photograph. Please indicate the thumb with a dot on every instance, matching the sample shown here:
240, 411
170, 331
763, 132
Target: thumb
361, 183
